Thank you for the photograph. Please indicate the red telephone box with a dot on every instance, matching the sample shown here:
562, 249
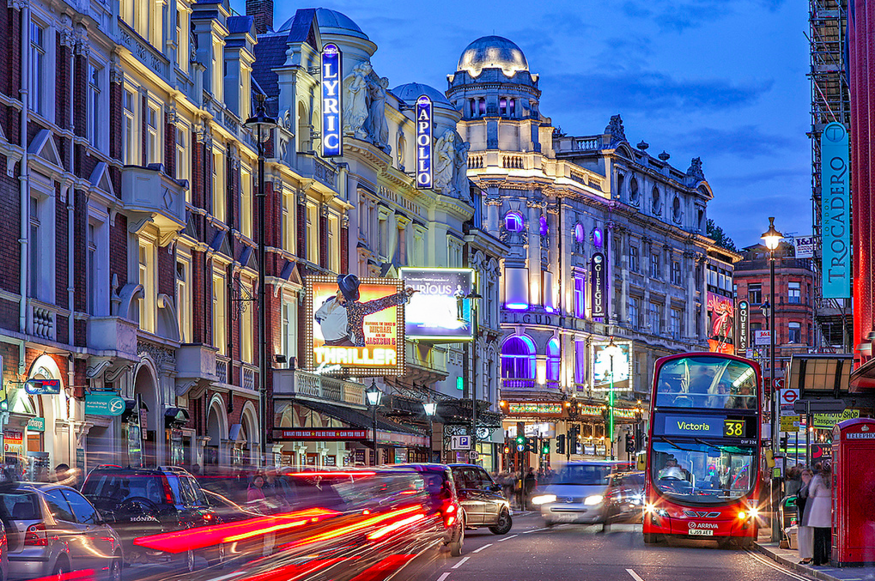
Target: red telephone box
853, 493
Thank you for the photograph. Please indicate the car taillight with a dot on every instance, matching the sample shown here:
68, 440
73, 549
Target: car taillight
35, 536
450, 521
168, 493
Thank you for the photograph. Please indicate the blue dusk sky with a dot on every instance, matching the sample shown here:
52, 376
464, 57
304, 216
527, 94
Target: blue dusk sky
716, 79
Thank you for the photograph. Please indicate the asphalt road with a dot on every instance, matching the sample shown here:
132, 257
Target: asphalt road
574, 552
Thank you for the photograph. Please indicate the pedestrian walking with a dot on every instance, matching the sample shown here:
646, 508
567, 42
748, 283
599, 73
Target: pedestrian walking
820, 515
531, 482
805, 534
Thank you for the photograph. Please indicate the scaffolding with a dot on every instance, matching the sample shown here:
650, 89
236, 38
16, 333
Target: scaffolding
830, 101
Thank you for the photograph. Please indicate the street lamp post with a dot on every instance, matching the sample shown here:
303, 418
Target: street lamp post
261, 126
772, 238
430, 409
473, 296
374, 396
611, 350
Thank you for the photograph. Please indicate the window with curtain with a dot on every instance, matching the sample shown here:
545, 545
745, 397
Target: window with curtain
518, 362
553, 360
579, 296
794, 292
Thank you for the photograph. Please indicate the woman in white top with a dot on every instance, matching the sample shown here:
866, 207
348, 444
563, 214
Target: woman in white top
820, 514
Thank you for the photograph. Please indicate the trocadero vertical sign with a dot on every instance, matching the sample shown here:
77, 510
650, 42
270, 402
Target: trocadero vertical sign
423, 143
835, 204
332, 139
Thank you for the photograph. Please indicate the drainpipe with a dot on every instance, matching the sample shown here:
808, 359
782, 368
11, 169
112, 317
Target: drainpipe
24, 177
71, 246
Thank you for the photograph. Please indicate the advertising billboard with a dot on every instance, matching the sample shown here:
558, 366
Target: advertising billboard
835, 212
721, 324
332, 106
603, 367
354, 326
599, 281
439, 309
805, 246
424, 176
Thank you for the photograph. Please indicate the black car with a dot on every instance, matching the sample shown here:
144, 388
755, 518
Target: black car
625, 496
145, 501
442, 494
482, 500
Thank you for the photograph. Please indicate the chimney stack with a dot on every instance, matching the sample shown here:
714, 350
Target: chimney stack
262, 10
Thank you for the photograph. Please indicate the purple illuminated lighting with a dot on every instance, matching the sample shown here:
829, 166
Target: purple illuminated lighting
542, 225
513, 222
517, 306
597, 237
579, 234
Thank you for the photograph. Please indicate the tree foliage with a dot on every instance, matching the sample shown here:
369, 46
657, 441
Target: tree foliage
716, 233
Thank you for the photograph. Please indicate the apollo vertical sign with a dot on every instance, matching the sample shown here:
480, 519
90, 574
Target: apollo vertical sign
835, 218
599, 282
423, 143
332, 139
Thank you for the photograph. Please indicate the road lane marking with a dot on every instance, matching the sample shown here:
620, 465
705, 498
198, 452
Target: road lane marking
535, 530
634, 575
769, 563
460, 563
507, 538
483, 547
444, 576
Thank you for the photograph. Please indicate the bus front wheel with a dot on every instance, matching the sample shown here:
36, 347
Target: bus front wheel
651, 538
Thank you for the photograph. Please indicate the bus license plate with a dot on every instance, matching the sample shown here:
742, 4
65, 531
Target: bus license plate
702, 532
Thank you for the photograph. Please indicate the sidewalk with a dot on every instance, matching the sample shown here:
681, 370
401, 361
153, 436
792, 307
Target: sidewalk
790, 559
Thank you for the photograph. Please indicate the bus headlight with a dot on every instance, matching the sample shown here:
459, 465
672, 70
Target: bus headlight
543, 499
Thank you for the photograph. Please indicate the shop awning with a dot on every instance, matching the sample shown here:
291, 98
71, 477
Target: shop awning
387, 430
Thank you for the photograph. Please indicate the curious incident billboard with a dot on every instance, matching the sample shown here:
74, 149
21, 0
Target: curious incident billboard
440, 309
355, 326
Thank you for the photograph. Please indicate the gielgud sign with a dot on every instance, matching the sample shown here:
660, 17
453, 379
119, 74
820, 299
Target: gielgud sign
355, 326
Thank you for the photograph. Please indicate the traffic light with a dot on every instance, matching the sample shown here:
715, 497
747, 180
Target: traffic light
560, 444
507, 449
630, 443
572, 439
545, 447
784, 442
520, 440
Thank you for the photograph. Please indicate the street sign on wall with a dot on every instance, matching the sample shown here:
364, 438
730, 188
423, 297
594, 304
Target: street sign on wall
460, 443
104, 404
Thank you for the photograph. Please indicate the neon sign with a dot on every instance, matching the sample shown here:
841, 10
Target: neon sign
332, 140
424, 178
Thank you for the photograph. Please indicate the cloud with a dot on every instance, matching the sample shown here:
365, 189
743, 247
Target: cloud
745, 141
678, 16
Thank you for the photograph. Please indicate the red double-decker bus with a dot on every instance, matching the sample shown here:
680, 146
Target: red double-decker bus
703, 472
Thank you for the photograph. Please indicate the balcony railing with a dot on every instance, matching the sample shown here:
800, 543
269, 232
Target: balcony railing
508, 383
297, 383
249, 378
311, 166
222, 370
43, 321
114, 334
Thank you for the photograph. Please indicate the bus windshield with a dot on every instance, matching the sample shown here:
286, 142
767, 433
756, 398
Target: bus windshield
702, 472
706, 382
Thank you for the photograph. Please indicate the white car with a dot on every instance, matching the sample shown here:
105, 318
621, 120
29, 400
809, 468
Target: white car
578, 493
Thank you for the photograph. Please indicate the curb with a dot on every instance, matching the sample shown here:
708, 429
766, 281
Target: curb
793, 565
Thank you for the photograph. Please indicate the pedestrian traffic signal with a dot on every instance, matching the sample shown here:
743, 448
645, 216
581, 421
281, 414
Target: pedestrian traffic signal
560, 444
520, 440
545, 447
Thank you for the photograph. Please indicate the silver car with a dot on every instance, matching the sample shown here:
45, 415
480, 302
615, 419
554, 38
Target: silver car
578, 493
52, 530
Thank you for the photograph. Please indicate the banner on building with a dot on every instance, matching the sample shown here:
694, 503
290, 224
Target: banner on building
761, 337
332, 101
742, 327
43, 386
721, 324
804, 246
354, 326
599, 286
424, 174
619, 366
440, 309
835, 216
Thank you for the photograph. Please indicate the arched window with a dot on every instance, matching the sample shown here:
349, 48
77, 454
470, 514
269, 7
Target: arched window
597, 238
473, 105
303, 127
513, 222
579, 234
542, 226
402, 148
518, 362
676, 209
657, 203
502, 106
553, 360
633, 192
481, 107
512, 108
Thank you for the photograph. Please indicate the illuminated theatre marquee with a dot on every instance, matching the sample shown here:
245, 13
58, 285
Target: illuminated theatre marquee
353, 335
424, 177
332, 140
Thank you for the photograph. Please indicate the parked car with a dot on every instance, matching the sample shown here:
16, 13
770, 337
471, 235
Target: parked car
482, 500
626, 496
441, 488
52, 530
144, 501
579, 493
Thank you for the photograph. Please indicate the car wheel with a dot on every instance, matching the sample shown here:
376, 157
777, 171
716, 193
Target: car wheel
115, 568
459, 541
504, 524
190, 561
219, 559
549, 524
61, 569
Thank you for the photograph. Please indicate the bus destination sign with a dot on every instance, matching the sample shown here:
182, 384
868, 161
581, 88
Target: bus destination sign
699, 426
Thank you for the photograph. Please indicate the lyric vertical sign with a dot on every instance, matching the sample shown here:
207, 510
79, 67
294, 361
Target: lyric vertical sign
835, 206
332, 139
742, 334
423, 143
599, 282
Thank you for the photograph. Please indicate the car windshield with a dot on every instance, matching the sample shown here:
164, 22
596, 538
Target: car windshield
109, 489
706, 382
703, 472
583, 474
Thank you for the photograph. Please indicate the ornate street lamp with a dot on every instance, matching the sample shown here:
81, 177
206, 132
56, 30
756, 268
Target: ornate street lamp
375, 396
261, 127
430, 408
772, 238
612, 349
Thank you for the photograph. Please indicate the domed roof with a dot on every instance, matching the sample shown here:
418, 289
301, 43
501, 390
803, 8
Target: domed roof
410, 92
492, 52
332, 22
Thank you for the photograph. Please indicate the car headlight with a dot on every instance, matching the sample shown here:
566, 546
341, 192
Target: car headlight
594, 499
544, 499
